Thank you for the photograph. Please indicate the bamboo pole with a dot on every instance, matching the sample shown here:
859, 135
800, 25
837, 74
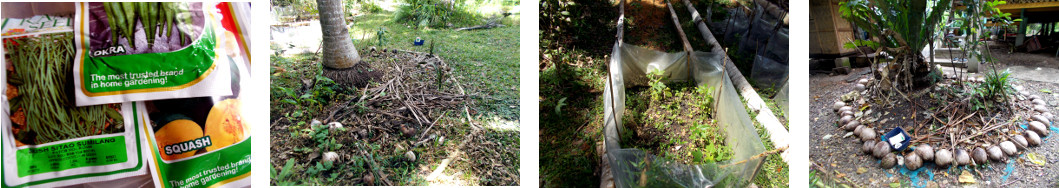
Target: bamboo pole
777, 133
683, 39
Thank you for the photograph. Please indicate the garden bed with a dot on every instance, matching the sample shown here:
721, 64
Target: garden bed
675, 120
676, 130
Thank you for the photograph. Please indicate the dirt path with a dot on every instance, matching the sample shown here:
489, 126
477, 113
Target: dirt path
842, 156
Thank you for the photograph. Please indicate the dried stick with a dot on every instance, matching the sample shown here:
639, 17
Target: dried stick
763, 154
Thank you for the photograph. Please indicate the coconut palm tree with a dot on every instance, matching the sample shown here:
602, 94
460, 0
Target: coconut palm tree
341, 61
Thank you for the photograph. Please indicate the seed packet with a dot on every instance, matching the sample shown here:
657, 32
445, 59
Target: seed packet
202, 141
136, 51
40, 24
48, 141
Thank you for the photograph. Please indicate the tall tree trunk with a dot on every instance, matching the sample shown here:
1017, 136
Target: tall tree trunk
340, 59
339, 52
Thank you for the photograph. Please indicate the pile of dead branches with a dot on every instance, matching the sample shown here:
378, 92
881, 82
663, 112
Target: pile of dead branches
415, 92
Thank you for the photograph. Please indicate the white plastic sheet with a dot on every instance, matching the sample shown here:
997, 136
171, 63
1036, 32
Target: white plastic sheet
629, 66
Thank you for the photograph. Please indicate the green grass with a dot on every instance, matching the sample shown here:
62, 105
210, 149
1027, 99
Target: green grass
774, 172
569, 137
485, 62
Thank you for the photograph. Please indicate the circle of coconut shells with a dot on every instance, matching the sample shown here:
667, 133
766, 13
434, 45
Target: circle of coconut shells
943, 157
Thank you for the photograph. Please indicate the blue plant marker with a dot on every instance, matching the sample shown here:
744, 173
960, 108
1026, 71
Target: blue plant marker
418, 42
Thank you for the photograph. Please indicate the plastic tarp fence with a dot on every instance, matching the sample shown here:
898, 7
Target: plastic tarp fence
628, 67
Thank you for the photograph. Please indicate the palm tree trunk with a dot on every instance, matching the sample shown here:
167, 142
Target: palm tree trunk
340, 59
338, 49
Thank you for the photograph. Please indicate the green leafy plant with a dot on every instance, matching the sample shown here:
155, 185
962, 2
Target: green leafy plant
902, 28
321, 133
281, 178
434, 13
381, 35
659, 91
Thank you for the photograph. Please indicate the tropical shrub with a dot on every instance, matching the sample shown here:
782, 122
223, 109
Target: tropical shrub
435, 13
901, 28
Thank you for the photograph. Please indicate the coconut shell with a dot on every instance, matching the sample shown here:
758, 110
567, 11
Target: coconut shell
368, 179
912, 161
925, 151
1048, 115
1042, 119
979, 156
1009, 148
846, 113
962, 157
334, 126
1038, 102
943, 157
1032, 138
1040, 108
995, 153
330, 156
852, 125
888, 161
410, 156
863, 81
845, 108
838, 105
860, 87
867, 134
881, 149
1020, 142
867, 147
845, 119
1035, 97
1039, 127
